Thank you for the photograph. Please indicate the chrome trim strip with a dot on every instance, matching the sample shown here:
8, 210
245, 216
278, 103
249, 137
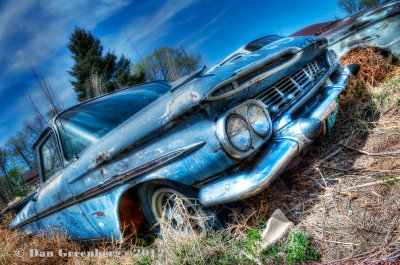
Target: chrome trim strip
292, 50
116, 181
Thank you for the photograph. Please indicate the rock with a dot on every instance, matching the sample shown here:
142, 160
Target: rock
278, 226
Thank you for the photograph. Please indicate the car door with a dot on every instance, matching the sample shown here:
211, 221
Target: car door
55, 203
28, 212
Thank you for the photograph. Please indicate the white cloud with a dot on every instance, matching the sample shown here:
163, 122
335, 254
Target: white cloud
198, 42
195, 41
84, 13
143, 31
43, 29
10, 17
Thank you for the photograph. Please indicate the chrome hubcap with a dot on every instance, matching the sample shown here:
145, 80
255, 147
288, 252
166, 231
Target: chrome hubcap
181, 212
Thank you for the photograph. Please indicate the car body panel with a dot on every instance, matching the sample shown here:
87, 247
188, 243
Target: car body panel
377, 27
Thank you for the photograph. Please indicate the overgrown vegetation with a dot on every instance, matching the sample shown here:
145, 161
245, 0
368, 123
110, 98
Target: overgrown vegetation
300, 249
168, 64
95, 73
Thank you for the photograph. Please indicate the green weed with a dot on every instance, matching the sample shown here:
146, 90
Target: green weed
300, 249
272, 252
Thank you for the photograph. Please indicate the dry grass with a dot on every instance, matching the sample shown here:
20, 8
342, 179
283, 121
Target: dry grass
376, 65
14, 241
355, 224
18, 248
97, 84
185, 242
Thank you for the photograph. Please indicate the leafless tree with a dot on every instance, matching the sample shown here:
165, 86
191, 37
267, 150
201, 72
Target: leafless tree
34, 127
97, 84
4, 156
20, 147
4, 196
38, 116
168, 64
54, 104
353, 6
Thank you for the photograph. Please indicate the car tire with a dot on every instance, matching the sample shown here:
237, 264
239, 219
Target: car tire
153, 194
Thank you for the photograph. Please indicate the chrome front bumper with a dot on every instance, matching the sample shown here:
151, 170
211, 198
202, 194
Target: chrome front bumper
256, 175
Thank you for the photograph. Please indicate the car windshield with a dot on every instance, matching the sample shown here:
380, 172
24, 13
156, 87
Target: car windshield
85, 124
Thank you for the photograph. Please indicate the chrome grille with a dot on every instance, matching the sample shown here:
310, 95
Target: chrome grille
284, 93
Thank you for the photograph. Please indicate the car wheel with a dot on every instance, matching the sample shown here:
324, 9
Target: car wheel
176, 204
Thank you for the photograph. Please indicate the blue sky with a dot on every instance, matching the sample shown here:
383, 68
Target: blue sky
35, 33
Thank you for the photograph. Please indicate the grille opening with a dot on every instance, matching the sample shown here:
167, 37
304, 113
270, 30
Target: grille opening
243, 79
284, 93
222, 90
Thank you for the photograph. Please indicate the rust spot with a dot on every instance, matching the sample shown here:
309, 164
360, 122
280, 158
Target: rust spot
126, 149
98, 214
217, 150
101, 157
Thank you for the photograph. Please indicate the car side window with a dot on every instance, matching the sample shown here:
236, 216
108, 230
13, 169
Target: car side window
50, 157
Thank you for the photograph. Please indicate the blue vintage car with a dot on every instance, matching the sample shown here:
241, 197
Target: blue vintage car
214, 137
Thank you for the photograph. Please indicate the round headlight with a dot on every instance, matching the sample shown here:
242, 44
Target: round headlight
259, 120
238, 132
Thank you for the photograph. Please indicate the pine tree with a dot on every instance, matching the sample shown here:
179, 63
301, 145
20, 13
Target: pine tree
95, 73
